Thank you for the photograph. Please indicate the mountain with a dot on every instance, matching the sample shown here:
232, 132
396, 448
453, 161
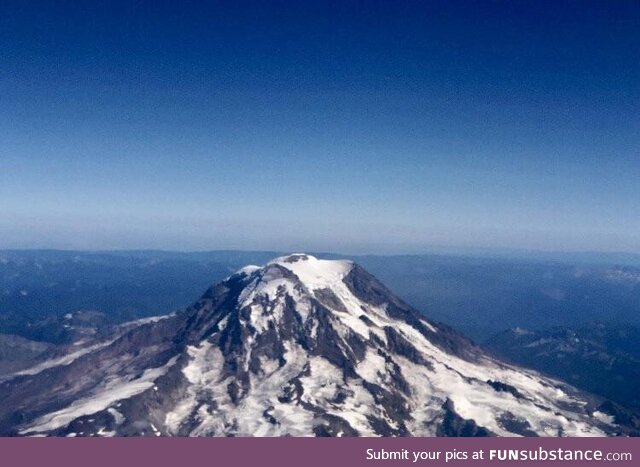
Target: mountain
300, 346
597, 357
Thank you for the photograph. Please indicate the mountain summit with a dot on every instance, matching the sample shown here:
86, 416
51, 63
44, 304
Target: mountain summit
301, 347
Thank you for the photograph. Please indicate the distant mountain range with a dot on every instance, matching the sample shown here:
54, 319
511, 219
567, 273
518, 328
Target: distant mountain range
299, 346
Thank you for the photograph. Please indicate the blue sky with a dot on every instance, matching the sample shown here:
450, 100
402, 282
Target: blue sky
346, 126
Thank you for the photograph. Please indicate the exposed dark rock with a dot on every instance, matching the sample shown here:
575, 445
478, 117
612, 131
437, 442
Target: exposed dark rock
454, 425
504, 387
329, 299
517, 425
401, 346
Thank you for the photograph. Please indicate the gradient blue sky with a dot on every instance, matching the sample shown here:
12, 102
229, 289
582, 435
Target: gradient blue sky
347, 126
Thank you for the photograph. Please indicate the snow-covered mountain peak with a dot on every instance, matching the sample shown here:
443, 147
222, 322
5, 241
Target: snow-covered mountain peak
314, 273
300, 346
300, 278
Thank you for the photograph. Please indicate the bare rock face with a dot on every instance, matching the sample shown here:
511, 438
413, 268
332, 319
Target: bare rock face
299, 347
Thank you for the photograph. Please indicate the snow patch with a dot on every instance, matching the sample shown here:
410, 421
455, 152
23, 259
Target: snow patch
112, 391
60, 361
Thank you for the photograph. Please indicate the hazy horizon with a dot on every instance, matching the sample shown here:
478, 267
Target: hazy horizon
349, 127
620, 258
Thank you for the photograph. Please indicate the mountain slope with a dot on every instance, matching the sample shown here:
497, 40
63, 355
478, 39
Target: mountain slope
599, 358
298, 347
